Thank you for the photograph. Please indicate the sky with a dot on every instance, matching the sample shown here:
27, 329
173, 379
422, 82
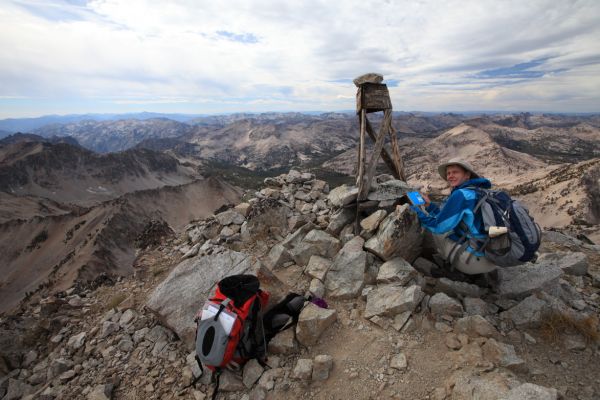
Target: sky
212, 57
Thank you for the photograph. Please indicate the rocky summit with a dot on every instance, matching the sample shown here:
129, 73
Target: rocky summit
391, 326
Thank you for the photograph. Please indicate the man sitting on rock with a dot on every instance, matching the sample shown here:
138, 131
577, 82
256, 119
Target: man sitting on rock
457, 231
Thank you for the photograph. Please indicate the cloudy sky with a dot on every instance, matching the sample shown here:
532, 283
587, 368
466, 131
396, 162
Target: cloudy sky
195, 56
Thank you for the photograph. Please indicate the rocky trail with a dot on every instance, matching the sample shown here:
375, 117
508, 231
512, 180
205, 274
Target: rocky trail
391, 329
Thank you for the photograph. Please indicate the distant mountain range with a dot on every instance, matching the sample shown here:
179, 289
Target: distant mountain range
511, 148
13, 125
112, 136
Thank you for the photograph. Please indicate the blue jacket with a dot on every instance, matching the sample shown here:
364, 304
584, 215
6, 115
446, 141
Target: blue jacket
457, 208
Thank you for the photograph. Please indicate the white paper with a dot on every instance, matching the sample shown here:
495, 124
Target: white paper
225, 318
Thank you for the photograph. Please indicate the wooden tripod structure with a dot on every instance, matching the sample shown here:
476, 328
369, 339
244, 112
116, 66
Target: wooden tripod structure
374, 97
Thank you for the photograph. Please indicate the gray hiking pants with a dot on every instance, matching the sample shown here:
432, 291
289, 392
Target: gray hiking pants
466, 262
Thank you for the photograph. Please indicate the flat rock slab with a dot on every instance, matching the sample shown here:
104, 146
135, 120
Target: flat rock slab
346, 276
521, 281
529, 313
390, 190
179, 297
342, 195
396, 270
399, 235
389, 300
572, 263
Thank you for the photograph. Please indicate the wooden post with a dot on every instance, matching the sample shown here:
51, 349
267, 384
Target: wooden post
362, 150
383, 130
373, 96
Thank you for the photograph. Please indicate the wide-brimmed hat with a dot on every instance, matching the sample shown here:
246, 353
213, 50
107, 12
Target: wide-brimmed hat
457, 161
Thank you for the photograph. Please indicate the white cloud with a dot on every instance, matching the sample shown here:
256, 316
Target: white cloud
294, 54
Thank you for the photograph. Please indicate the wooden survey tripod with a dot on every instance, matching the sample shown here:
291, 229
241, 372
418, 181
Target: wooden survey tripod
374, 97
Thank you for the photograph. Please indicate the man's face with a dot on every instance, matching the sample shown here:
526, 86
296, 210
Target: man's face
456, 175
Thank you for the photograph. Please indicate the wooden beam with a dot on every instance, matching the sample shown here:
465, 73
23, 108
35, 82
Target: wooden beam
397, 156
372, 166
360, 181
360, 171
384, 153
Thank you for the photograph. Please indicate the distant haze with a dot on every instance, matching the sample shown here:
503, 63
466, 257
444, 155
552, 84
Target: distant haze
110, 56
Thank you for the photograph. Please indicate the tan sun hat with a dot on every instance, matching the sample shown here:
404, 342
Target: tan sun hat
457, 161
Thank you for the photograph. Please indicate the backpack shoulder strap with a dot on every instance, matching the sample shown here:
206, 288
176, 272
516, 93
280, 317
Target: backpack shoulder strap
484, 195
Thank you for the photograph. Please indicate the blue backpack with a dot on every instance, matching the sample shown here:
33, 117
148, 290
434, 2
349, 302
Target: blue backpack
514, 237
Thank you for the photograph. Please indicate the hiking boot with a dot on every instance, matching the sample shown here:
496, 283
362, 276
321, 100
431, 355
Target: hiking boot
480, 280
449, 273
493, 279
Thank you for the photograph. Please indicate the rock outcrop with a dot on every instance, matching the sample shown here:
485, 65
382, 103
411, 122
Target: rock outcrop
186, 288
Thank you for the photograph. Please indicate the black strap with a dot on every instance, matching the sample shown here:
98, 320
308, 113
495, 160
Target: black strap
215, 379
222, 306
255, 317
258, 353
197, 378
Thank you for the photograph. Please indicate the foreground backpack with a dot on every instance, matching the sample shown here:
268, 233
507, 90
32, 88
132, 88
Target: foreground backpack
514, 237
229, 330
